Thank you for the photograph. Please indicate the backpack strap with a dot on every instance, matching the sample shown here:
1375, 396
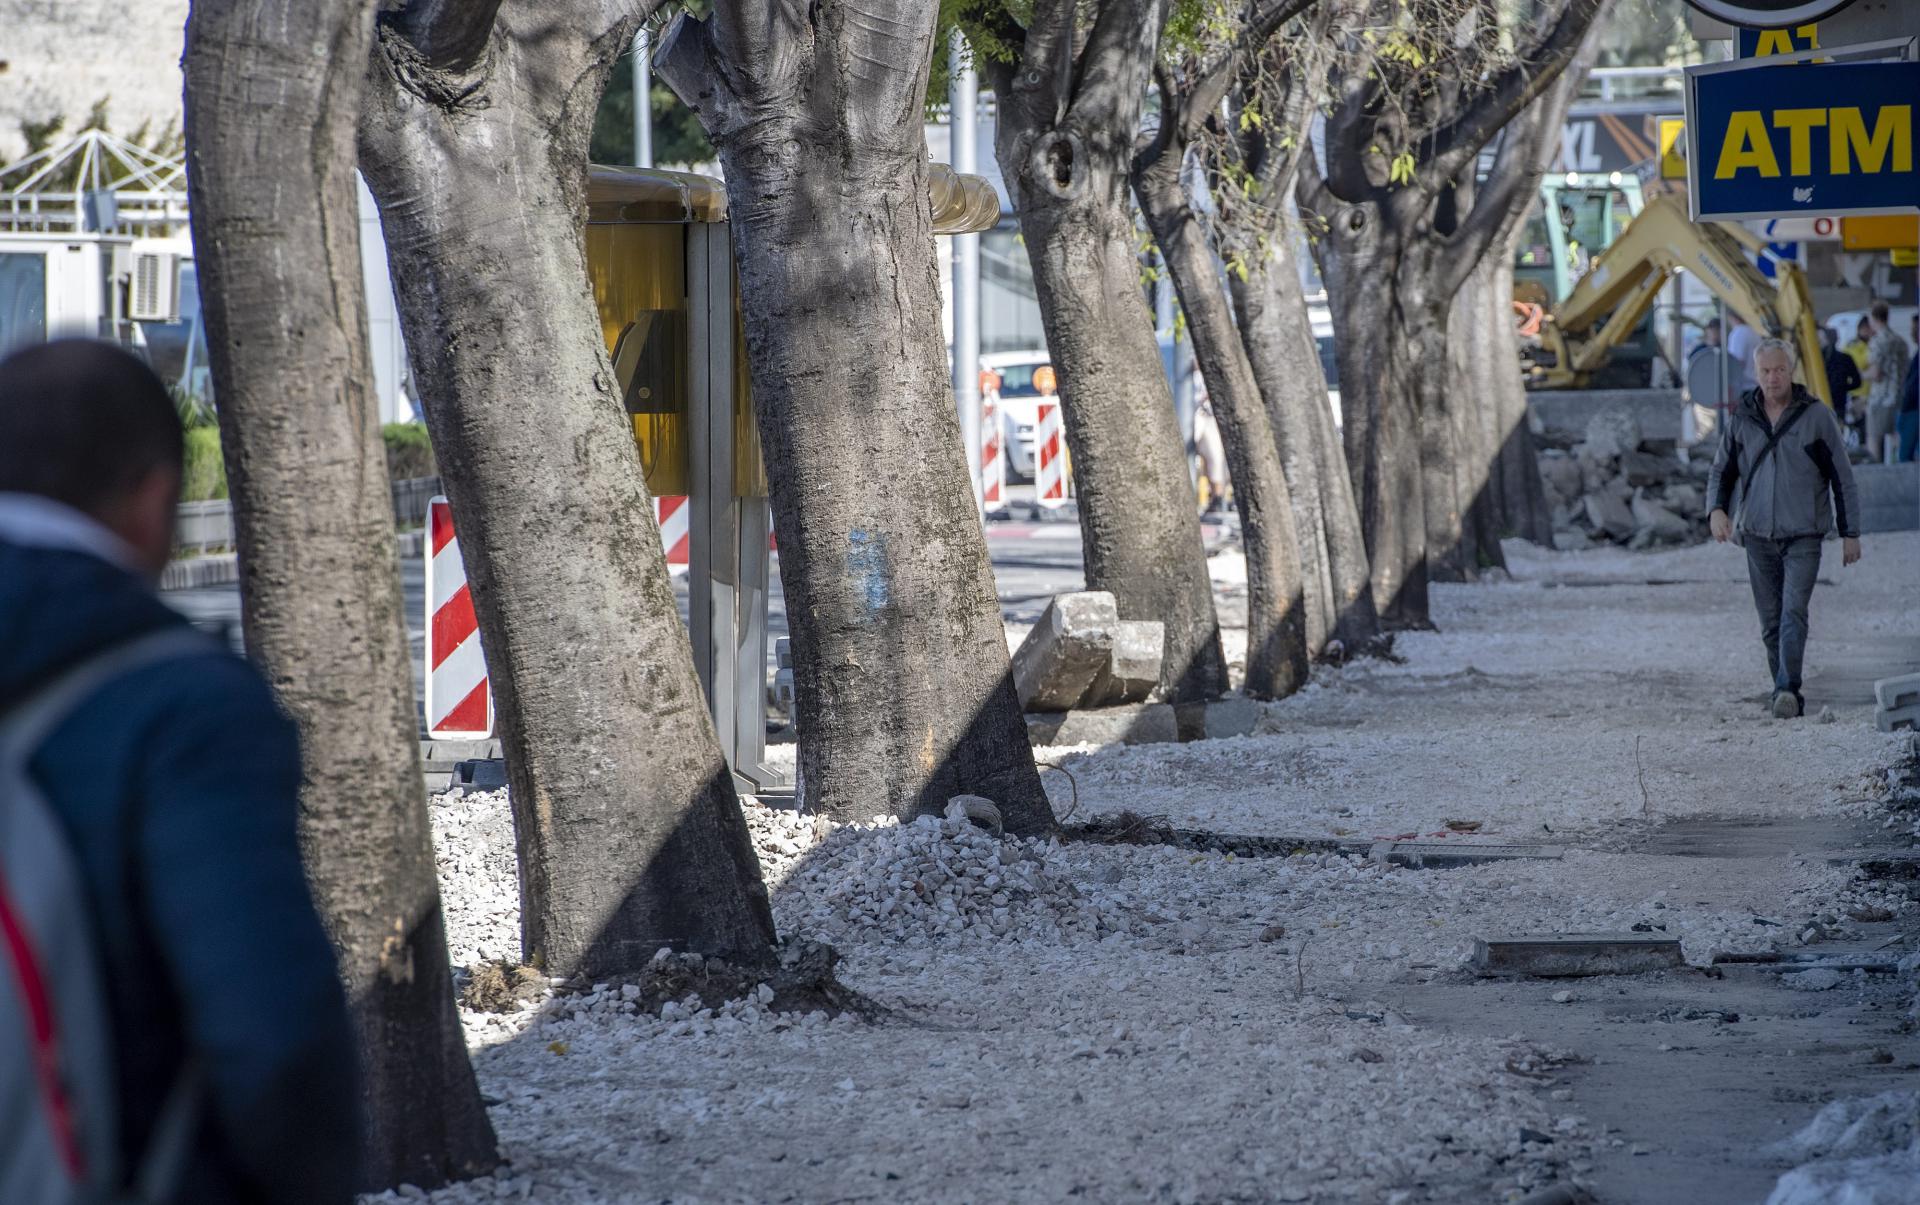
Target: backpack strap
26, 725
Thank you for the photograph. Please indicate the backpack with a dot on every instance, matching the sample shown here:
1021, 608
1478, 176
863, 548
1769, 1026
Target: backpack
59, 1113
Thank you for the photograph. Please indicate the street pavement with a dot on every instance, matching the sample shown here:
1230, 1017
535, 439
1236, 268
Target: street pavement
1034, 558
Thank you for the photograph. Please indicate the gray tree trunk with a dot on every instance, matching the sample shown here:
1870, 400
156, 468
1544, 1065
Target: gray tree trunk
474, 142
276, 239
1523, 500
1278, 584
1278, 333
1064, 141
900, 658
1391, 344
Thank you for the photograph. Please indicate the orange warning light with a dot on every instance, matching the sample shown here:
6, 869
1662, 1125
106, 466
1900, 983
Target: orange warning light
1043, 380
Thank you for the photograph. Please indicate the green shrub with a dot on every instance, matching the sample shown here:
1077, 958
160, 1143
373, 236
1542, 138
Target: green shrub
409, 452
204, 477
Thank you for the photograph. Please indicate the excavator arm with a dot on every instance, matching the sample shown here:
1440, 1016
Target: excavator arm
1624, 281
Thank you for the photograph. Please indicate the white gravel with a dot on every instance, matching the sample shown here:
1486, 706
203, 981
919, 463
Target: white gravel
1148, 1023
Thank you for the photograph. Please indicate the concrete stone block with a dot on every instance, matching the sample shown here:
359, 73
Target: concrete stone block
1889, 496
1140, 724
1133, 666
1892, 693
1609, 512
1562, 415
1065, 653
1893, 719
1577, 954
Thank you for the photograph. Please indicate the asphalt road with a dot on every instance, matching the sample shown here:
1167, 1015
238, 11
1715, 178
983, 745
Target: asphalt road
1031, 561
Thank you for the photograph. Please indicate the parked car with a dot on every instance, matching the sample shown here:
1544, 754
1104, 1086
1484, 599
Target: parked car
1019, 406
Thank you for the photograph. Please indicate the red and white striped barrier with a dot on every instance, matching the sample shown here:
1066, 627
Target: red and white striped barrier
675, 515
1049, 455
459, 702
993, 454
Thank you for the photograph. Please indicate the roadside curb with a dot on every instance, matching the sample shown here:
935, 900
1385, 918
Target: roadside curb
1154, 723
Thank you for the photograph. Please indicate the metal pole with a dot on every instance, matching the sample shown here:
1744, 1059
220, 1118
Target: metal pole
642, 101
963, 97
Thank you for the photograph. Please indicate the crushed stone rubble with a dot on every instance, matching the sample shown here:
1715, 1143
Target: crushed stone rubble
1156, 1023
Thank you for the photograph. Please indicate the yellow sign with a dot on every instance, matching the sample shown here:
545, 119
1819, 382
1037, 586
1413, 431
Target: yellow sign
1766, 42
1673, 147
1888, 232
1749, 145
1905, 257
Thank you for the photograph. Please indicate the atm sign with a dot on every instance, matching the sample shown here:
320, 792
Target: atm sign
1809, 138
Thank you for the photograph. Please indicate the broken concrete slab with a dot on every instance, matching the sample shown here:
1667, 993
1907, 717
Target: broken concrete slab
1894, 693
1438, 854
1138, 724
1892, 719
1133, 665
1576, 954
1066, 651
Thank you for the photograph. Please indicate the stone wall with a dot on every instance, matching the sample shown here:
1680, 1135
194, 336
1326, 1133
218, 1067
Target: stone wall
62, 56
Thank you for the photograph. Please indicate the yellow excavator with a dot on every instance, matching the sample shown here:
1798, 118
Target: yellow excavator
1623, 281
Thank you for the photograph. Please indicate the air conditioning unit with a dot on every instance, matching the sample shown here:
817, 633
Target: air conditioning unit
156, 287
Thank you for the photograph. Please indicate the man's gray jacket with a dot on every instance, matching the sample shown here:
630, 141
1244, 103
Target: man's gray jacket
1787, 495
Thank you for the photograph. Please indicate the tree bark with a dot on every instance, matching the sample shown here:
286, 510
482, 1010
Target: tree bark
1064, 142
629, 831
1278, 584
276, 239
1524, 509
900, 659
1390, 345
1278, 334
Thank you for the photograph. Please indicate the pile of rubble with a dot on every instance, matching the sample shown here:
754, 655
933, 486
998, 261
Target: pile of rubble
1618, 486
938, 879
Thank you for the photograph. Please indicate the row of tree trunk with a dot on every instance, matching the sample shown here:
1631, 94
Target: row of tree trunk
471, 123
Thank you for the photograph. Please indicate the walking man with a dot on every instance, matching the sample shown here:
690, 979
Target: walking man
1886, 372
172, 1024
1780, 456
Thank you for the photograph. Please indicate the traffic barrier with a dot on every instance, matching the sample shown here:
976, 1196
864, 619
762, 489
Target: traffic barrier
1049, 455
993, 457
459, 701
674, 515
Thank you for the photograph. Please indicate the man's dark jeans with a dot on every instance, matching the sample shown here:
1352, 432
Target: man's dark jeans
1782, 572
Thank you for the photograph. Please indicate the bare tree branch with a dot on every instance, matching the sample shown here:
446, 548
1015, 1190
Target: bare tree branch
1455, 145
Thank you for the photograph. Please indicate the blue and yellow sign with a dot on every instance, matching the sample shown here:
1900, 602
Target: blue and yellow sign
1762, 43
1826, 138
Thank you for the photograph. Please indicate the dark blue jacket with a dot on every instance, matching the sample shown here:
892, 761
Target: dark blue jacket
177, 785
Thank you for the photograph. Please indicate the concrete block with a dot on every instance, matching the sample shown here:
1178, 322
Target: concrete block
1139, 724
1891, 693
1437, 854
1889, 496
1892, 719
1133, 666
1561, 416
1064, 654
1577, 954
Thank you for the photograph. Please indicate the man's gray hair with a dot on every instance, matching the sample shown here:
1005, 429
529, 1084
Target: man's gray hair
1779, 345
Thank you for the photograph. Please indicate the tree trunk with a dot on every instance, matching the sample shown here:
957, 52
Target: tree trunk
1066, 161
1469, 397
900, 658
1277, 609
629, 832
1391, 348
1523, 499
1278, 334
276, 238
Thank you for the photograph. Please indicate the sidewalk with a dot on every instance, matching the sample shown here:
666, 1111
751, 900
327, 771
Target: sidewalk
1148, 1022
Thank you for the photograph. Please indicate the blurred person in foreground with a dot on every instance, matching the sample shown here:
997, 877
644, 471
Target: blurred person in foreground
172, 780
1782, 452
